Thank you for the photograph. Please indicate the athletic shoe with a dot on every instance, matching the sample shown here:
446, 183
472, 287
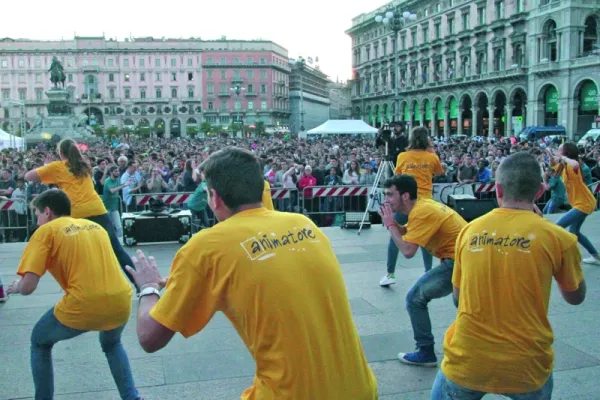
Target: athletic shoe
388, 280
591, 260
3, 295
419, 358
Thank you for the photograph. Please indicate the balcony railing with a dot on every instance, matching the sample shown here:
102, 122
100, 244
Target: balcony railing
251, 94
237, 80
224, 94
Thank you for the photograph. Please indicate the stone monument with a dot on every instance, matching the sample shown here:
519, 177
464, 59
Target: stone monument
60, 122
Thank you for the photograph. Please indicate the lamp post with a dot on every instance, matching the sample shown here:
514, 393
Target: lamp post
238, 89
300, 63
395, 21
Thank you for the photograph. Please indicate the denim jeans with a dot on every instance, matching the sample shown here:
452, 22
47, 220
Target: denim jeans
550, 207
444, 389
393, 251
48, 331
574, 220
115, 218
434, 284
124, 259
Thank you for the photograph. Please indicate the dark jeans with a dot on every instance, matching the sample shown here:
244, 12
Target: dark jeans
124, 259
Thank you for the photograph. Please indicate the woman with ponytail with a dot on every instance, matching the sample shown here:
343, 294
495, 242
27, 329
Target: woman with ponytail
581, 199
73, 175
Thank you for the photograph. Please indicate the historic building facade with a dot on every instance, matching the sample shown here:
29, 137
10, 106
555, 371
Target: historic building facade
309, 98
481, 66
164, 84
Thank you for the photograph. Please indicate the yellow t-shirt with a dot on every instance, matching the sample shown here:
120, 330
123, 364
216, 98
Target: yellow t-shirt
267, 200
276, 278
501, 340
579, 195
85, 202
97, 294
435, 227
422, 165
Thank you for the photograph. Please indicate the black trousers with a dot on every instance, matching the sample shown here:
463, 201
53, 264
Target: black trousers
124, 259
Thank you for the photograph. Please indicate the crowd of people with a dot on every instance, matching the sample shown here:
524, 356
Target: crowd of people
137, 166
300, 351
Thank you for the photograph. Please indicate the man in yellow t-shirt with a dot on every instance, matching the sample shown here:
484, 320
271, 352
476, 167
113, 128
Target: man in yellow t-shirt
267, 200
501, 341
276, 278
78, 254
434, 227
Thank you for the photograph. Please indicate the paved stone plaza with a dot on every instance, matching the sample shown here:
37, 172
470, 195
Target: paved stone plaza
216, 365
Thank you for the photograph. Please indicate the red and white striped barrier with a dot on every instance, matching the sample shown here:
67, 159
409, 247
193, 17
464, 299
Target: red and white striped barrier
8, 205
278, 194
595, 187
484, 187
339, 191
167, 198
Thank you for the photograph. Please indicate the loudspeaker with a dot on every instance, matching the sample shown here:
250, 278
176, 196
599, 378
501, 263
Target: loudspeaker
152, 227
469, 207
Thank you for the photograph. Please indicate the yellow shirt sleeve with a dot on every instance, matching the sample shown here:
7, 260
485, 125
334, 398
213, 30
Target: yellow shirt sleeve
457, 271
398, 168
37, 254
267, 200
437, 166
48, 174
192, 296
569, 274
420, 228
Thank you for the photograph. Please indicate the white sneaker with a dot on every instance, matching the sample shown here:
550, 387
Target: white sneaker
591, 260
387, 280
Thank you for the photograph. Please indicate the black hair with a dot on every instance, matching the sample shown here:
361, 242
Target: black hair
236, 175
56, 200
403, 184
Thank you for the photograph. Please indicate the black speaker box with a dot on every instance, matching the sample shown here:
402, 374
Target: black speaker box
148, 227
471, 208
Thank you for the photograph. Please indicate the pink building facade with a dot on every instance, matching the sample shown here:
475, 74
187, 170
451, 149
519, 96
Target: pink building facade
165, 84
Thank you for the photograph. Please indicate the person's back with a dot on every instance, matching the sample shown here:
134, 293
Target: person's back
501, 340
283, 290
97, 294
81, 191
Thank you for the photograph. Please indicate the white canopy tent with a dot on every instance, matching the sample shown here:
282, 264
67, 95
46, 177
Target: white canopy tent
343, 127
8, 141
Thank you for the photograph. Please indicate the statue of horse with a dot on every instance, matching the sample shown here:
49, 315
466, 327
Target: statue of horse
57, 73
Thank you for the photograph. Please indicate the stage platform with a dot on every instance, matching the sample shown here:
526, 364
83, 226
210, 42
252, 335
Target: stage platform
215, 364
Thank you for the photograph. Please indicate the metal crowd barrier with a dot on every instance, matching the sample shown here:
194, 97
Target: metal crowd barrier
326, 205
14, 220
286, 200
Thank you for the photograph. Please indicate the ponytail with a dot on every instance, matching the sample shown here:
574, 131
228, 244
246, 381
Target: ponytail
75, 161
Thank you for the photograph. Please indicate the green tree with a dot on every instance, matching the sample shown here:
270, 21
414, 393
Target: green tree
206, 128
260, 129
112, 131
97, 130
192, 131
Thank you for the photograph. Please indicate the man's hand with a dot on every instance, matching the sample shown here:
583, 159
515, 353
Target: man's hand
387, 215
146, 272
13, 288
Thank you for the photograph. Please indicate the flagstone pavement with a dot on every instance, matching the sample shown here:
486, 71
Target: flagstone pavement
215, 364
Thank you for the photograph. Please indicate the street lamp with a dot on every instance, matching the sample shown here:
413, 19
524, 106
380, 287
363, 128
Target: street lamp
300, 63
23, 121
395, 21
238, 89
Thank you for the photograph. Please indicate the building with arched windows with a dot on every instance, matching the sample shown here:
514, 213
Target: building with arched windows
480, 67
164, 85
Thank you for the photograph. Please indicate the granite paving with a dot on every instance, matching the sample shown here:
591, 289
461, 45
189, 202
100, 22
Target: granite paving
216, 365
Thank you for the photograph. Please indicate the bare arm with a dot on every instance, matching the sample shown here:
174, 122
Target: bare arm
26, 285
151, 334
575, 297
407, 249
32, 176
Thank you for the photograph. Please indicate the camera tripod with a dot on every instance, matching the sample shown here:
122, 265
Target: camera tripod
386, 170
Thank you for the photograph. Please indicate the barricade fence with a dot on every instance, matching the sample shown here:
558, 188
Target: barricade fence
15, 220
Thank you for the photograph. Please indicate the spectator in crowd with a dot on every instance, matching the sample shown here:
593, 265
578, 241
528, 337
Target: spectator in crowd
286, 323
7, 184
133, 181
368, 176
111, 199
352, 174
558, 193
483, 173
156, 183
307, 180
100, 174
189, 184
198, 203
467, 173
123, 163
501, 340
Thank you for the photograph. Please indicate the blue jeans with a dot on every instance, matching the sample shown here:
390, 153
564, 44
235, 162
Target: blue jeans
574, 220
48, 331
550, 207
435, 284
124, 259
444, 389
393, 251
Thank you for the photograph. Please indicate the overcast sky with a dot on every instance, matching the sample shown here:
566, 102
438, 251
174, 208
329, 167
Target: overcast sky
310, 28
